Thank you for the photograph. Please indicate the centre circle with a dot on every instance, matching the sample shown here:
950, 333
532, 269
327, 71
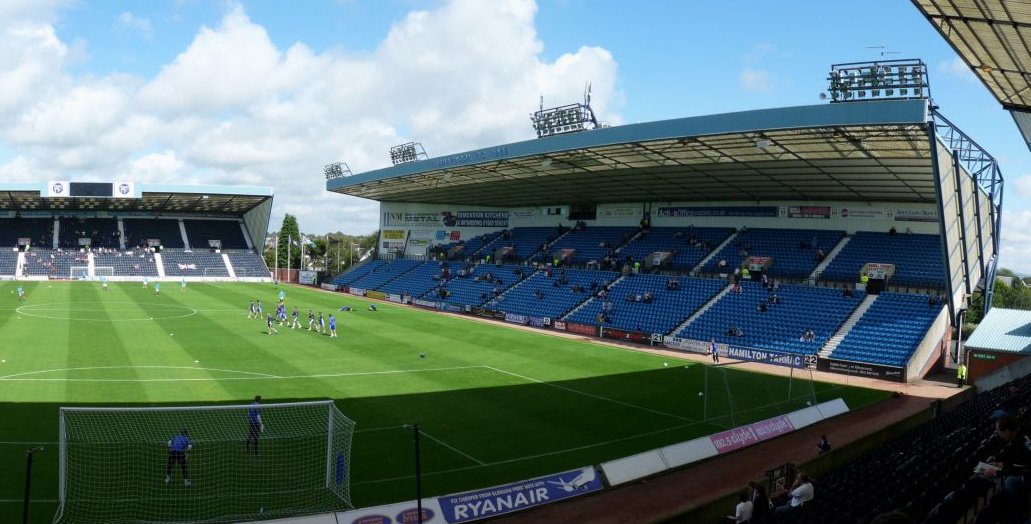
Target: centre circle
106, 311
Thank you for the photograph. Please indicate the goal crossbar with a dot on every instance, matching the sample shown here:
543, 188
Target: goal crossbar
203, 408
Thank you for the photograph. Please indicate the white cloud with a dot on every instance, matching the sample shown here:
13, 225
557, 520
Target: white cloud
1023, 186
957, 68
1015, 244
756, 80
274, 116
131, 22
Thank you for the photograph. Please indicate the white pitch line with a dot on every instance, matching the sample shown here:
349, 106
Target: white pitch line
17, 377
452, 448
7, 377
592, 395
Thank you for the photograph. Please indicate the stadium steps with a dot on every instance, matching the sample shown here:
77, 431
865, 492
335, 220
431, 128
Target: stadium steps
630, 241
229, 265
160, 265
830, 257
471, 256
20, 268
186, 239
121, 234
590, 298
399, 275
549, 245
57, 233
694, 271
843, 331
715, 298
91, 265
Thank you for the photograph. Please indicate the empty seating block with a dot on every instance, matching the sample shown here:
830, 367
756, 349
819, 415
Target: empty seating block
890, 330
199, 232
132, 262
8, 261
593, 243
917, 258
385, 273
526, 240
783, 245
139, 230
672, 239
51, 263
418, 281
101, 232
471, 246
194, 264
667, 310
778, 328
345, 278
557, 300
39, 231
247, 264
475, 289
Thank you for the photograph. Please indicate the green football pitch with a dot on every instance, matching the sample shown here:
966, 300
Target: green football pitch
495, 404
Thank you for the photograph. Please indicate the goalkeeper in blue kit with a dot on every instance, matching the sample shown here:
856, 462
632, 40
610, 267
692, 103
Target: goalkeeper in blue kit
254, 424
179, 448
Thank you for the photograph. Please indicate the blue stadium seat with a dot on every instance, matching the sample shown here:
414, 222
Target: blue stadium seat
674, 239
199, 232
418, 281
558, 299
527, 242
917, 258
101, 232
667, 310
8, 261
778, 328
193, 264
130, 263
475, 289
53, 263
356, 272
138, 231
385, 273
39, 231
890, 331
783, 245
593, 243
247, 263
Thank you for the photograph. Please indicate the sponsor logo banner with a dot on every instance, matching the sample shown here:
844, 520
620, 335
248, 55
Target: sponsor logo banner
393, 297
423, 234
306, 277
790, 360
620, 212
419, 242
538, 321
866, 213
424, 303
393, 234
499, 500
376, 294
559, 324
475, 219
720, 211
399, 513
809, 212
452, 307
187, 266
57, 188
583, 329
330, 287
862, 369
743, 436
356, 291
516, 319
392, 218
526, 214
453, 236
916, 215
620, 334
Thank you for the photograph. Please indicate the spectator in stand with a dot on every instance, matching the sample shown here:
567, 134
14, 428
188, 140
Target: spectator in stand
847, 292
743, 510
540, 294
801, 492
775, 299
761, 307
820, 255
932, 301
892, 231
803, 245
761, 506
808, 336
723, 263
648, 297
1013, 460
824, 446
736, 288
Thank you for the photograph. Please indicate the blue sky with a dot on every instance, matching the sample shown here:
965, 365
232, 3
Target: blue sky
265, 92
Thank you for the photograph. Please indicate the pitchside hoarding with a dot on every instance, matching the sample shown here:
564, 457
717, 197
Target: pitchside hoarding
499, 500
862, 369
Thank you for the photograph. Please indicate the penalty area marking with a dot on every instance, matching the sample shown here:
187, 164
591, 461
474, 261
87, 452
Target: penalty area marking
30, 310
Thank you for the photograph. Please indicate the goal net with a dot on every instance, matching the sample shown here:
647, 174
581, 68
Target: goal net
79, 271
121, 465
733, 396
104, 271
215, 272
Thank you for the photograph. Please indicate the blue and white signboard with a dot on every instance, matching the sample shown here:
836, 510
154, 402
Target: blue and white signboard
776, 358
499, 500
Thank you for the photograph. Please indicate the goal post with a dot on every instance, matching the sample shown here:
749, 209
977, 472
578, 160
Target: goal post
734, 396
212, 272
78, 271
202, 463
104, 271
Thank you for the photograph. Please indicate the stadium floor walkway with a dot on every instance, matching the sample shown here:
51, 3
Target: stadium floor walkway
666, 496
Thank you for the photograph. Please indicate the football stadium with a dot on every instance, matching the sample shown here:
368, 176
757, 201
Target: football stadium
756, 313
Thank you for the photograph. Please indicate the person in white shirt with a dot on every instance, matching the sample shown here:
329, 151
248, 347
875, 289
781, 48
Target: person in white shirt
743, 510
801, 492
